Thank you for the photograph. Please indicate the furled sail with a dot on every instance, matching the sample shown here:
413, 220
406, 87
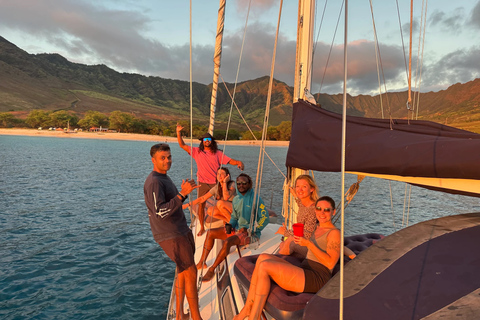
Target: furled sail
422, 153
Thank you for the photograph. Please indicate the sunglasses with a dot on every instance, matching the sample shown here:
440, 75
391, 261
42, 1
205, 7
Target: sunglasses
207, 139
242, 183
323, 209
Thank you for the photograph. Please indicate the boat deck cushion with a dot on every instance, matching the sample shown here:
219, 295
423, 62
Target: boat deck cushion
282, 304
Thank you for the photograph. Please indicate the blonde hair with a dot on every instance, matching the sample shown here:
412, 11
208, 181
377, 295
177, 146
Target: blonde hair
311, 182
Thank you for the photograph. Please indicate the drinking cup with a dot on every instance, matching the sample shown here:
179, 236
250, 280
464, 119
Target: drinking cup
298, 229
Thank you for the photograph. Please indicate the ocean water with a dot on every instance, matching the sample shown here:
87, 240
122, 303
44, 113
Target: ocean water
75, 242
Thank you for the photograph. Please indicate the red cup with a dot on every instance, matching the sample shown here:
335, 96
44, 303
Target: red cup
298, 229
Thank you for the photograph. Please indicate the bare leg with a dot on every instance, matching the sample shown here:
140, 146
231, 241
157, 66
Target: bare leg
229, 242
180, 295
190, 276
204, 188
245, 312
217, 233
223, 210
211, 214
285, 274
201, 218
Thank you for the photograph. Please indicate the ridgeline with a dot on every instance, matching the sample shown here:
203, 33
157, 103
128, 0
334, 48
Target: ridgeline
50, 82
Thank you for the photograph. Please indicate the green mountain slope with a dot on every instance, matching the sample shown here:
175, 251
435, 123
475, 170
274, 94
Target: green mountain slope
50, 82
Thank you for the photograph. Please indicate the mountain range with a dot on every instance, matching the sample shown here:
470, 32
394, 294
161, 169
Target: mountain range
51, 82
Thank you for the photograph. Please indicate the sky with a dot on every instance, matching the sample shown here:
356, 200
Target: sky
152, 38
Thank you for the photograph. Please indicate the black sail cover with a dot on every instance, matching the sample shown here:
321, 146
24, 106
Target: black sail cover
410, 148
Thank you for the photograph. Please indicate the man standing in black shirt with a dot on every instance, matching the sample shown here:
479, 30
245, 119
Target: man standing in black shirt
169, 226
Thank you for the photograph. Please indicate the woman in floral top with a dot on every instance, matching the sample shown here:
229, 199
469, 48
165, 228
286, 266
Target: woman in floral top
305, 193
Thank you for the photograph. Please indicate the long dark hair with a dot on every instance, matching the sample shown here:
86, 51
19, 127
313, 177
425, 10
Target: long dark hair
219, 187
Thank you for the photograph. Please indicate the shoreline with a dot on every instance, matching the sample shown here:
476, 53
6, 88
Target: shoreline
126, 137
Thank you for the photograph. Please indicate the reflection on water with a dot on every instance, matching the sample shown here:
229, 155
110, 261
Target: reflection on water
74, 233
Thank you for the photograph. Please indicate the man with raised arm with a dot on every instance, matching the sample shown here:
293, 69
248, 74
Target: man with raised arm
169, 226
208, 159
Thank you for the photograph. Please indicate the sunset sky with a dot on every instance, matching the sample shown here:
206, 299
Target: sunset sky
151, 37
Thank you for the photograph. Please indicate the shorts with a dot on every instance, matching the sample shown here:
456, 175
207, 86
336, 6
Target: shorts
204, 188
243, 236
316, 275
180, 250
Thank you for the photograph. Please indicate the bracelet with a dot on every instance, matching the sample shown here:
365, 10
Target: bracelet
183, 197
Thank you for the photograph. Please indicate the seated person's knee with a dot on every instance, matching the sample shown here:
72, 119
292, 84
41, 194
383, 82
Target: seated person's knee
210, 211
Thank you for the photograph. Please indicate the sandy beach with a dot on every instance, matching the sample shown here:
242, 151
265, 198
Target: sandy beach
123, 136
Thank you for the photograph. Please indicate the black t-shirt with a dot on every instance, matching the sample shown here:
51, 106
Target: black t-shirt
165, 213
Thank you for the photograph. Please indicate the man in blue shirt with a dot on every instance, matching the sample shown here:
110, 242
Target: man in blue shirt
240, 221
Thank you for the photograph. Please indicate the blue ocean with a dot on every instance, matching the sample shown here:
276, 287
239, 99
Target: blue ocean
75, 242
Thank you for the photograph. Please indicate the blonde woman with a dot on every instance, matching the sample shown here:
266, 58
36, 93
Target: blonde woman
305, 193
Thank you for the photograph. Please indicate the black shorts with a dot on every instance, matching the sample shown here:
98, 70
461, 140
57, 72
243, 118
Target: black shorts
316, 275
180, 250
204, 188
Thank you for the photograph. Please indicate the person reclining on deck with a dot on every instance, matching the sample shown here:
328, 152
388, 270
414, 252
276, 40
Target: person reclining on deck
240, 220
314, 272
224, 191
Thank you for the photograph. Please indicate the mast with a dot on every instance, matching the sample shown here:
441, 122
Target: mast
409, 102
304, 52
216, 61
303, 77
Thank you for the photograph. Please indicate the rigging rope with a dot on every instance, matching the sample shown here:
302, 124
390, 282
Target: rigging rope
250, 130
331, 46
420, 61
377, 59
409, 102
261, 155
191, 107
218, 74
318, 35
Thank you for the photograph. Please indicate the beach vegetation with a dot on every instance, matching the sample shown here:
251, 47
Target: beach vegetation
94, 119
38, 118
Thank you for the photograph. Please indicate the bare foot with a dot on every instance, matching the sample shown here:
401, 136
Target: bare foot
201, 265
208, 276
245, 312
201, 232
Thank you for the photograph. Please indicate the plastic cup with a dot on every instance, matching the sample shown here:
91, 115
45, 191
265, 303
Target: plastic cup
298, 229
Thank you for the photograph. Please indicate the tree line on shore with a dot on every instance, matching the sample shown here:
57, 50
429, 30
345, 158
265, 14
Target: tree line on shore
126, 122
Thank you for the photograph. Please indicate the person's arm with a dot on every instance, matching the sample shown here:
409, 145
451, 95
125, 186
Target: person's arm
181, 143
330, 257
155, 195
348, 252
202, 199
228, 189
237, 163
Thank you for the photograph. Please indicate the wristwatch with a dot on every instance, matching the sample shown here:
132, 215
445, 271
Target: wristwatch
183, 197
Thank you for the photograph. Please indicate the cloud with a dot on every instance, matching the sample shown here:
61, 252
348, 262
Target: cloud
257, 5
92, 33
451, 22
114, 37
458, 66
475, 16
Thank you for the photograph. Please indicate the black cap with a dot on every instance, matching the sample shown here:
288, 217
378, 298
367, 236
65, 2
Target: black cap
206, 135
